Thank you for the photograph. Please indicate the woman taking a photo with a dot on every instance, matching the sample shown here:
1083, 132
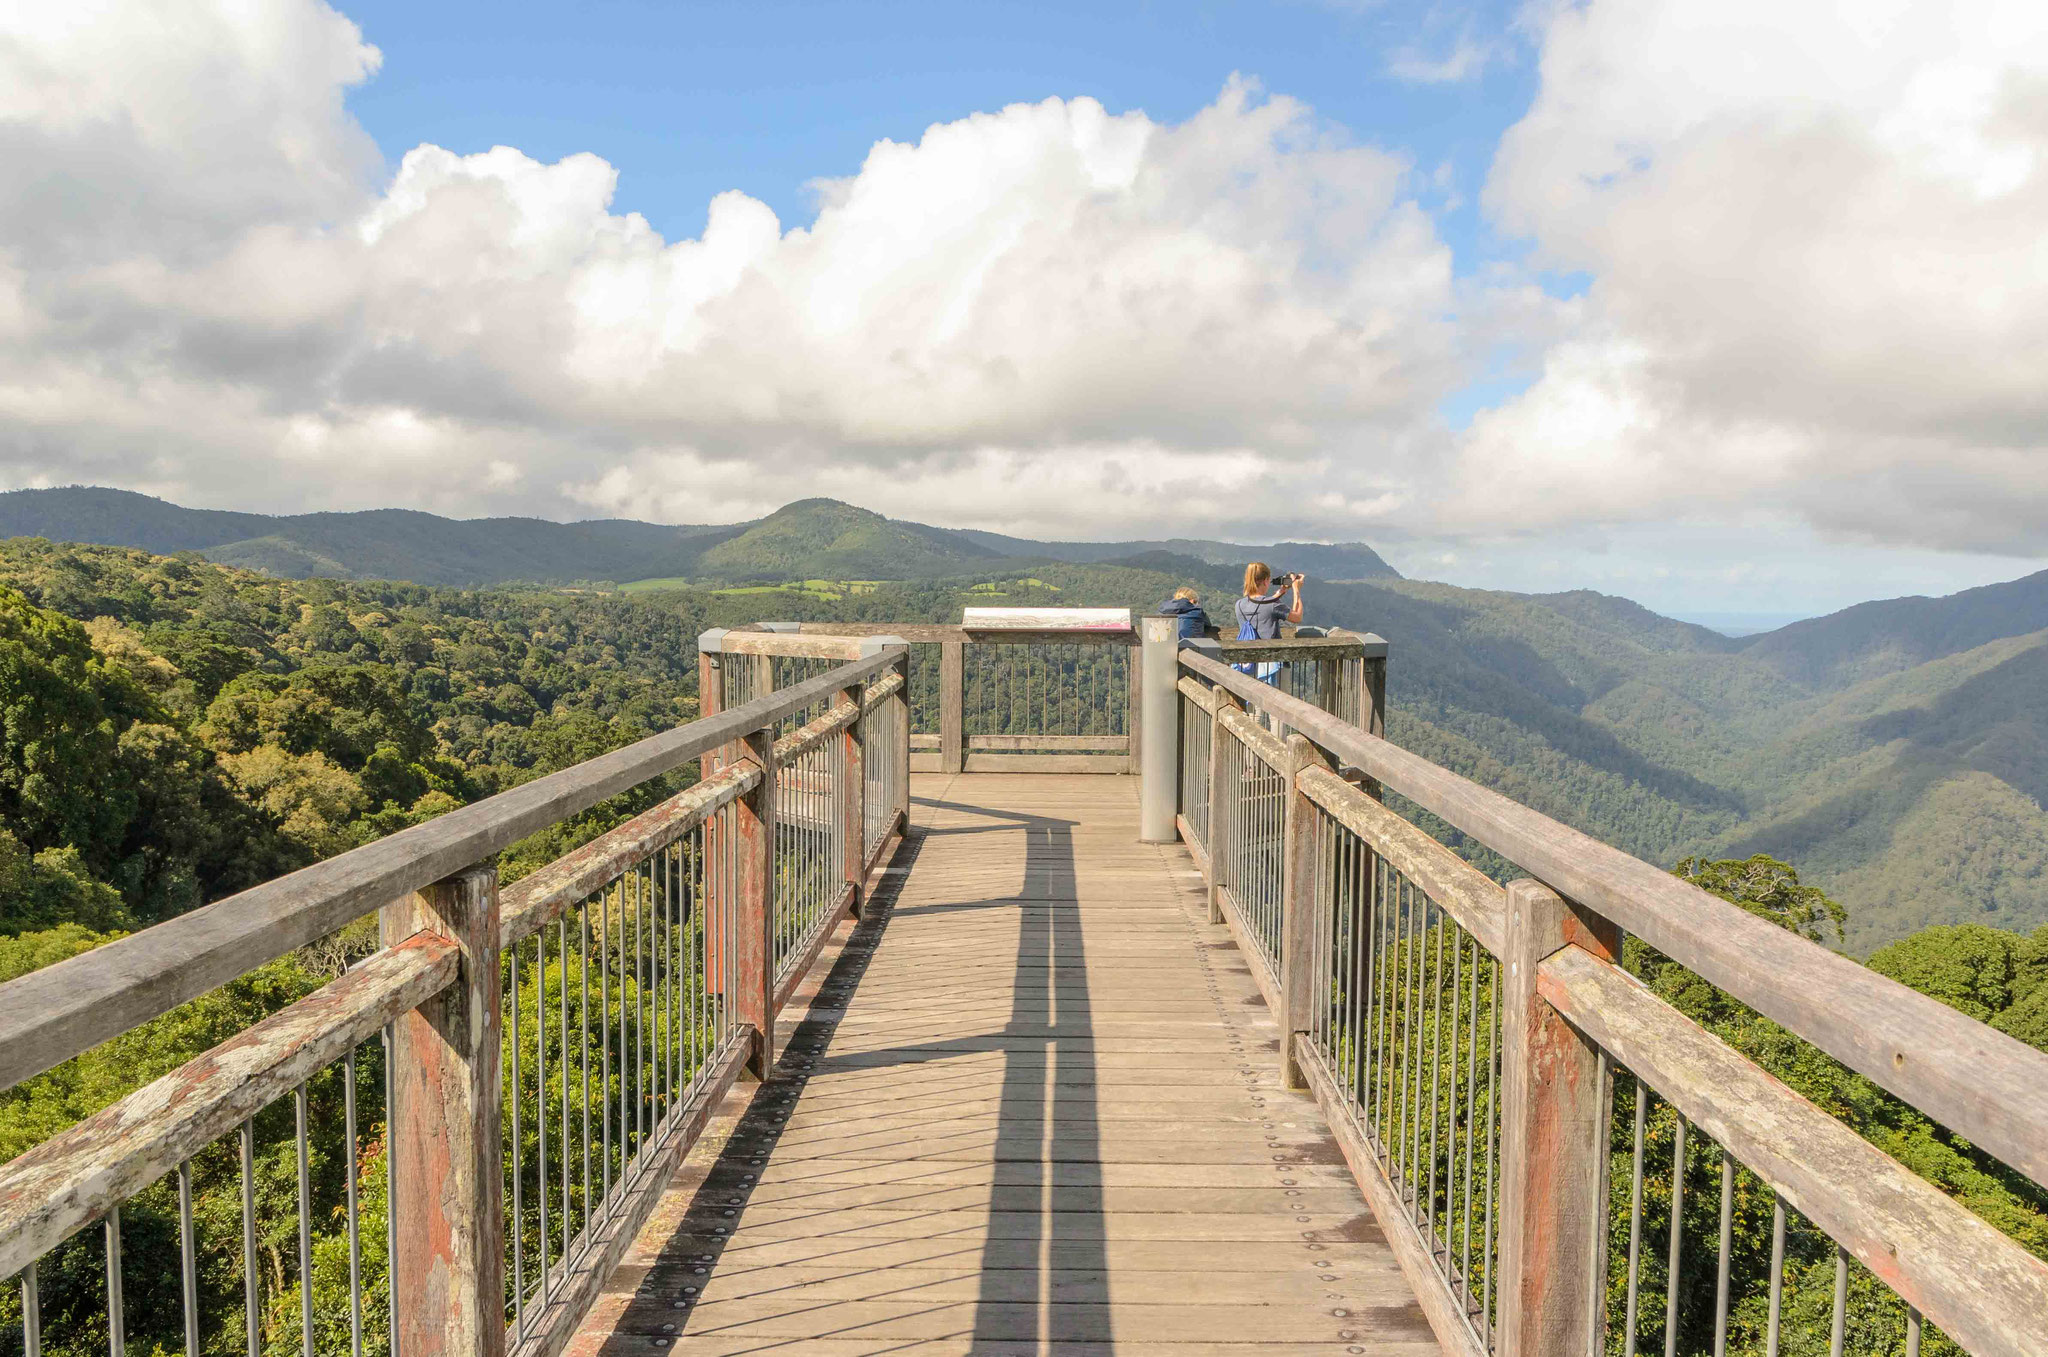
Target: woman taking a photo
1265, 605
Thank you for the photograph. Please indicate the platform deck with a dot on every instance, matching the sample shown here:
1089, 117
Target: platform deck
1032, 1104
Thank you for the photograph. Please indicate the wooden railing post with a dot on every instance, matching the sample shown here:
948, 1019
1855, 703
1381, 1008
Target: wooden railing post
853, 783
952, 706
1297, 909
903, 745
1554, 1126
1372, 691
753, 850
448, 1227
710, 691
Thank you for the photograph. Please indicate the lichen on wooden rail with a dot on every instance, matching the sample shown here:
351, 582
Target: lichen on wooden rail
536, 900
1981, 1288
1260, 741
50, 1015
78, 1175
813, 733
1460, 889
887, 686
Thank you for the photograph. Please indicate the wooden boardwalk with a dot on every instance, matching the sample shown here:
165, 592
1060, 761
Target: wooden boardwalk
1034, 1107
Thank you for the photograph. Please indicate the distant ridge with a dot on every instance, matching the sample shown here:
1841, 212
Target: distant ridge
1325, 561
1873, 639
814, 538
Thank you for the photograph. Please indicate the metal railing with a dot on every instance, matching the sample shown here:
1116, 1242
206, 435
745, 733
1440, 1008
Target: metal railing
1014, 701
446, 1149
1559, 1157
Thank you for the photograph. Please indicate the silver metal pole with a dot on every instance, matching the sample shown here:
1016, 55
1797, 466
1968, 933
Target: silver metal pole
1159, 713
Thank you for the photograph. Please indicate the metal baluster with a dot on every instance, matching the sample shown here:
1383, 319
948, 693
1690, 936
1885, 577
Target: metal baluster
540, 1044
657, 868
1912, 1332
1838, 1324
1411, 1054
1677, 1239
1418, 1018
517, 1225
583, 1047
1492, 1136
117, 1312
1436, 1052
31, 1312
1376, 983
617, 1104
604, 1026
1320, 952
562, 1029
305, 1228
1451, 1117
1360, 915
188, 1260
390, 1204
355, 1234
1635, 1216
1777, 1273
251, 1312
1596, 1294
1471, 1104
639, 1016
1727, 1249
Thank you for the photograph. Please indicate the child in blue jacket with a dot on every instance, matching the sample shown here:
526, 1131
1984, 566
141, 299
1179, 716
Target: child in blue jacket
1194, 623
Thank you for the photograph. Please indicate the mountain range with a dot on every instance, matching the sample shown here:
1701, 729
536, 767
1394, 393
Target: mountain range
1896, 752
814, 539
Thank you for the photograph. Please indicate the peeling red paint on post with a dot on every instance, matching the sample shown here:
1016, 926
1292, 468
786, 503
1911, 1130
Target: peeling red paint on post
448, 1176
1553, 1128
753, 871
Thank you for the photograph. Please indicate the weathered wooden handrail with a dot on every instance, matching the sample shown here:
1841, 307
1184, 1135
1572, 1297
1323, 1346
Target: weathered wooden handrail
76, 1176
437, 990
1976, 1081
51, 1015
1467, 894
1981, 1288
536, 900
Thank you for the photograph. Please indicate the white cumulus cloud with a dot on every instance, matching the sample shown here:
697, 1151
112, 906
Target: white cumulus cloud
1033, 316
1818, 270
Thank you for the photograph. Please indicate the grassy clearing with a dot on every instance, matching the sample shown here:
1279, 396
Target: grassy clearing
826, 589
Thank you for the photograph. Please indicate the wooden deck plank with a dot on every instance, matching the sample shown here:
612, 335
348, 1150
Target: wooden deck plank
1035, 1108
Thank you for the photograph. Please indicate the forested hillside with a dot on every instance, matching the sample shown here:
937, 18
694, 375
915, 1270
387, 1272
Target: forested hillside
174, 730
810, 539
1910, 787
1899, 762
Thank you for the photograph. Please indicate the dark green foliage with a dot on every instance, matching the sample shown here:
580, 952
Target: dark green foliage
176, 731
44, 890
1981, 971
1770, 890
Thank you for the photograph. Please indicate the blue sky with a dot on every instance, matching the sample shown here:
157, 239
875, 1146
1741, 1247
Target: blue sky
690, 100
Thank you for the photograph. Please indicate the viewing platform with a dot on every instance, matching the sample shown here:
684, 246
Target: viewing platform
1029, 989
1033, 1104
